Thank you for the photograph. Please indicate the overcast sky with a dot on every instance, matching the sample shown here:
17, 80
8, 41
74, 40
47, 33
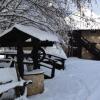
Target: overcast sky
96, 7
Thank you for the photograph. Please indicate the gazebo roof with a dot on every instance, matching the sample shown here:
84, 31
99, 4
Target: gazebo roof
21, 32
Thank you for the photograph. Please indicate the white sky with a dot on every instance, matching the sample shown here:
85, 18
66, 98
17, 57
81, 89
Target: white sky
96, 6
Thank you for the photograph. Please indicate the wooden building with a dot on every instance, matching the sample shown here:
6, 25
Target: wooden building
85, 43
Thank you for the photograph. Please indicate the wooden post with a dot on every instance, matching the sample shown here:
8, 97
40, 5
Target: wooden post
20, 58
53, 69
34, 54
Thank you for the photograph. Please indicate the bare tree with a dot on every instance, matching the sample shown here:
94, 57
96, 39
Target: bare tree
44, 14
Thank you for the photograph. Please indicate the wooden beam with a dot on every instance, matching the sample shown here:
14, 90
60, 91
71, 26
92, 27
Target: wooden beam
23, 44
26, 44
20, 59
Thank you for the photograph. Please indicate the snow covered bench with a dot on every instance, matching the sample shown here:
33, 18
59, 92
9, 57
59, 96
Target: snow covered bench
59, 61
9, 80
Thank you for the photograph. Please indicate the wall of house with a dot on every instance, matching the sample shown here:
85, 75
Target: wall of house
94, 37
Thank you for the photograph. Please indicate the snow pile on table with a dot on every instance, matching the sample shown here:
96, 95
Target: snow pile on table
80, 81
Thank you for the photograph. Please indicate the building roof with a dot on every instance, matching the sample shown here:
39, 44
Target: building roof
84, 30
22, 32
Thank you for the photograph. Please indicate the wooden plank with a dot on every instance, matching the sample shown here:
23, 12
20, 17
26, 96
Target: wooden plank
55, 56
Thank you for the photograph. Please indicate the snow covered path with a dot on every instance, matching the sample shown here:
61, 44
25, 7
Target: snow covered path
80, 81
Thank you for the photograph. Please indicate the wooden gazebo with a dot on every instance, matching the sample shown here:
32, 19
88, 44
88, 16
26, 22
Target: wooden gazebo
17, 37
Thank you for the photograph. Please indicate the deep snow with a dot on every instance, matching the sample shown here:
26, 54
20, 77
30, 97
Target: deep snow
79, 81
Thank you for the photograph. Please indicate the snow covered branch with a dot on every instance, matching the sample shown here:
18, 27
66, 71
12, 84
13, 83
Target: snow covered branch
44, 14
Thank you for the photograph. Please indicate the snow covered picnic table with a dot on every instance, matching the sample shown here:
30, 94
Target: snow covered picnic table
79, 81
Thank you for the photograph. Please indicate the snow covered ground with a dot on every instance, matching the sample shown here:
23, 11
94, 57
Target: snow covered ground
79, 81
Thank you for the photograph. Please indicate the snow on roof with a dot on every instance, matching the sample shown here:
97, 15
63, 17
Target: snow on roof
42, 35
86, 19
56, 50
